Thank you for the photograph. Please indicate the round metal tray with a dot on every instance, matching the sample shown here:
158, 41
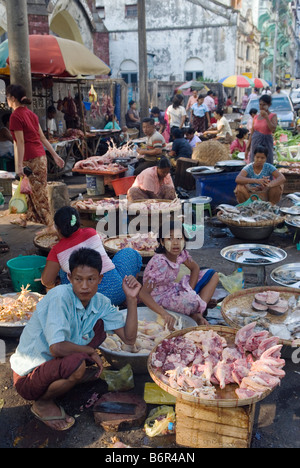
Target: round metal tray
14, 329
138, 362
292, 210
230, 254
290, 267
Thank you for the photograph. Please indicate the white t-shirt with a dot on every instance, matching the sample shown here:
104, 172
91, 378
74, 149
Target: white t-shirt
51, 126
176, 115
226, 127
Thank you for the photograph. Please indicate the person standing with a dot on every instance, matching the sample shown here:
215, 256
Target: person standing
245, 101
132, 117
192, 100
176, 114
264, 125
210, 102
30, 144
201, 115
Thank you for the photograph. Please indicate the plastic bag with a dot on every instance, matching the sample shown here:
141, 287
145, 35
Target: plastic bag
234, 282
25, 186
18, 202
158, 421
119, 380
155, 395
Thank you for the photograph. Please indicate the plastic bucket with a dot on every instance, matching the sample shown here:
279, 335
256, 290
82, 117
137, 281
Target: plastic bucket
25, 270
122, 185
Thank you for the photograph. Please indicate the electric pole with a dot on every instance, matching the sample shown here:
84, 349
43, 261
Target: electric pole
275, 44
143, 67
18, 44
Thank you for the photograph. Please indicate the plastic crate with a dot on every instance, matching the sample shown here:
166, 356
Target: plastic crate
122, 185
220, 187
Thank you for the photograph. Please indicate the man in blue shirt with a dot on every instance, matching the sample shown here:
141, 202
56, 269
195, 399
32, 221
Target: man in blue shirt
63, 335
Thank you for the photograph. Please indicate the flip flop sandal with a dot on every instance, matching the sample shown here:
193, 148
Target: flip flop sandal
4, 248
55, 418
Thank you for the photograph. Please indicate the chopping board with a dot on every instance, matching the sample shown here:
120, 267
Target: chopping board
110, 421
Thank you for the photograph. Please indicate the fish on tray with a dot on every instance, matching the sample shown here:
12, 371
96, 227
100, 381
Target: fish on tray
262, 252
257, 260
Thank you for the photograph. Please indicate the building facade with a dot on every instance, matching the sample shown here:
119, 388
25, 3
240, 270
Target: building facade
186, 39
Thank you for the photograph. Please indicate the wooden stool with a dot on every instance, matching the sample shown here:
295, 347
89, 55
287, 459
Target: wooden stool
201, 426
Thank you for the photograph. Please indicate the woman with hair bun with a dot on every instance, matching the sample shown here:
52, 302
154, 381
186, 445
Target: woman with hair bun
30, 145
71, 238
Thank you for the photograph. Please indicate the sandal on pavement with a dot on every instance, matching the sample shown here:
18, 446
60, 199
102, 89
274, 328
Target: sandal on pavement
46, 419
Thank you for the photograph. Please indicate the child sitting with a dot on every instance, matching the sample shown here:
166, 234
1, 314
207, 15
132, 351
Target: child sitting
160, 290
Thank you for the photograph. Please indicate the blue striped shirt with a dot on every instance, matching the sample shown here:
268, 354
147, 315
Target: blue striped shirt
60, 316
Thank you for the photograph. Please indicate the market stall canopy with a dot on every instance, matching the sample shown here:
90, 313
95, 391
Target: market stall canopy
261, 83
193, 85
239, 81
55, 56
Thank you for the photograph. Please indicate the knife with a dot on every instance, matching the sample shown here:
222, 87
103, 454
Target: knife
115, 407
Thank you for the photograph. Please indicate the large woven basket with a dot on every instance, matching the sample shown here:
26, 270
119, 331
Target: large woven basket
265, 223
208, 153
226, 397
243, 300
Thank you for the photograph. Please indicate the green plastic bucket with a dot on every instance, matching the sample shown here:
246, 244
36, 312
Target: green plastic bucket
25, 270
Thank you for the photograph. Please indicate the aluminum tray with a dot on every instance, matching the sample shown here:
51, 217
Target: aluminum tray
229, 254
14, 329
292, 210
290, 267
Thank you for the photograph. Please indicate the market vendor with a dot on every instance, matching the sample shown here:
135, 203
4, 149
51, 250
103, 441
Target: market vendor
222, 132
153, 183
239, 145
181, 148
155, 147
63, 335
260, 178
51, 122
72, 237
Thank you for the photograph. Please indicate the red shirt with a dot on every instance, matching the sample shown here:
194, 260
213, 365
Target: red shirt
23, 119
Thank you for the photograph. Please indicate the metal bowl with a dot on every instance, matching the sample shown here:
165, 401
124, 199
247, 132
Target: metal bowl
138, 362
251, 233
288, 268
15, 329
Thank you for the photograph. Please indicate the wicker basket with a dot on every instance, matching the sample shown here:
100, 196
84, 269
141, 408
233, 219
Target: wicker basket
208, 153
243, 300
226, 398
266, 223
110, 246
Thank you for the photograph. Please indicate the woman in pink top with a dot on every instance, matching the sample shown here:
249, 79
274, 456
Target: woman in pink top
154, 183
264, 125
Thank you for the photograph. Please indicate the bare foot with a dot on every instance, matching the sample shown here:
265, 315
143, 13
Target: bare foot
52, 415
19, 222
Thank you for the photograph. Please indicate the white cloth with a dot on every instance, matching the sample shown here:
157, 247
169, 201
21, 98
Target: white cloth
223, 122
51, 126
176, 115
